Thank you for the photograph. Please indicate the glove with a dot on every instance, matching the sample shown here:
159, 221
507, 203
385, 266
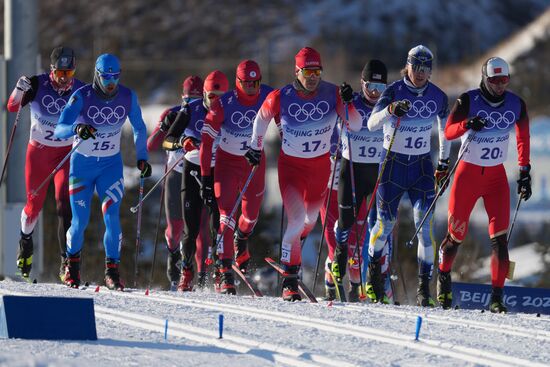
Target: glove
524, 183
253, 156
346, 92
167, 121
23, 84
399, 108
207, 191
85, 132
476, 123
189, 143
441, 173
145, 168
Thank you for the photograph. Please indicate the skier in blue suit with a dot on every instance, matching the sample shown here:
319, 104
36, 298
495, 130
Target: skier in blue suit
98, 111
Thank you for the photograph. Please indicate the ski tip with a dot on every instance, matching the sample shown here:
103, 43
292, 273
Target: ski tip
329, 304
147, 292
538, 314
86, 284
97, 289
34, 281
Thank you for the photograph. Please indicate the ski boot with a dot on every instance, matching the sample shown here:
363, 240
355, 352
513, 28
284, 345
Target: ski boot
497, 303
187, 275
242, 256
444, 293
330, 292
202, 279
71, 277
353, 294
173, 272
227, 280
112, 275
423, 297
24, 255
290, 285
375, 286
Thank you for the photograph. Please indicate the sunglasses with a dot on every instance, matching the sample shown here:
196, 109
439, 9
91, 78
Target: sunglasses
421, 68
213, 94
310, 72
249, 83
109, 76
501, 79
64, 73
371, 87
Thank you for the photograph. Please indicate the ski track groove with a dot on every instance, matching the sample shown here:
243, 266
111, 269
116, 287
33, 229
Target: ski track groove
436, 347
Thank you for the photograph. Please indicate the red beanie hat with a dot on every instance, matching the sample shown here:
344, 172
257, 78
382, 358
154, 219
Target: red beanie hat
249, 70
192, 86
307, 57
216, 81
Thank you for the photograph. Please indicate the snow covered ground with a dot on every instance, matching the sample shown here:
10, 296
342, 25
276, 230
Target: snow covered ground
267, 331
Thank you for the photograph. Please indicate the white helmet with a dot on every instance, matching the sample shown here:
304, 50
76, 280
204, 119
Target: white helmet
495, 66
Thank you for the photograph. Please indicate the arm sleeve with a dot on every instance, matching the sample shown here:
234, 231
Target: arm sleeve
171, 141
456, 122
353, 120
523, 137
210, 130
380, 113
140, 130
19, 99
444, 144
157, 136
67, 121
271, 108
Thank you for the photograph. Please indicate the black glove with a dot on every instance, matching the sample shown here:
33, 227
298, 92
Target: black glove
167, 121
476, 123
399, 108
441, 173
346, 92
253, 156
145, 168
524, 183
207, 191
23, 84
85, 132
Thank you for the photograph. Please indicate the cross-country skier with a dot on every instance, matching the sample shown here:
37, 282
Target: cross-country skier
192, 90
308, 110
47, 94
185, 133
483, 118
365, 153
415, 104
231, 116
95, 114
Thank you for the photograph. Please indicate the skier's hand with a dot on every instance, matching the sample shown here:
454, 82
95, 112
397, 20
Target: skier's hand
189, 143
85, 131
145, 168
524, 183
167, 121
207, 191
23, 84
253, 156
476, 123
399, 108
346, 92
441, 174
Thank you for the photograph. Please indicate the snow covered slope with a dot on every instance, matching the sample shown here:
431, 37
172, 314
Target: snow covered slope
267, 331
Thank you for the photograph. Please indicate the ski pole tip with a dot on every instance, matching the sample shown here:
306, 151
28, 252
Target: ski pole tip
133, 209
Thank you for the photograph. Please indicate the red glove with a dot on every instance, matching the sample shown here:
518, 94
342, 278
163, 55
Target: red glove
189, 144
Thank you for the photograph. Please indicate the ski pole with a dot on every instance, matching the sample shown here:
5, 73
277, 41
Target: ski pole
440, 192
12, 135
326, 211
57, 168
513, 220
236, 206
134, 209
281, 243
157, 232
138, 234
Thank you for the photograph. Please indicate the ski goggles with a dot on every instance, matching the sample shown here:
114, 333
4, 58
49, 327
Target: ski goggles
213, 94
500, 79
308, 73
64, 73
109, 76
249, 83
371, 87
421, 68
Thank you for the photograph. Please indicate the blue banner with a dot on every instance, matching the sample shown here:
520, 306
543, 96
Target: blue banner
517, 299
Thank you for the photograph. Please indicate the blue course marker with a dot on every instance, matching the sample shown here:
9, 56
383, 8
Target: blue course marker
166, 330
220, 324
418, 325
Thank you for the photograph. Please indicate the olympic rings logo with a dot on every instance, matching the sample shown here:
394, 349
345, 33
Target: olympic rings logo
308, 111
198, 125
53, 105
106, 115
501, 120
364, 116
424, 110
243, 120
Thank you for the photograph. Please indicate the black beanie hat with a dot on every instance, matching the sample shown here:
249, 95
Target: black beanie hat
62, 58
375, 71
